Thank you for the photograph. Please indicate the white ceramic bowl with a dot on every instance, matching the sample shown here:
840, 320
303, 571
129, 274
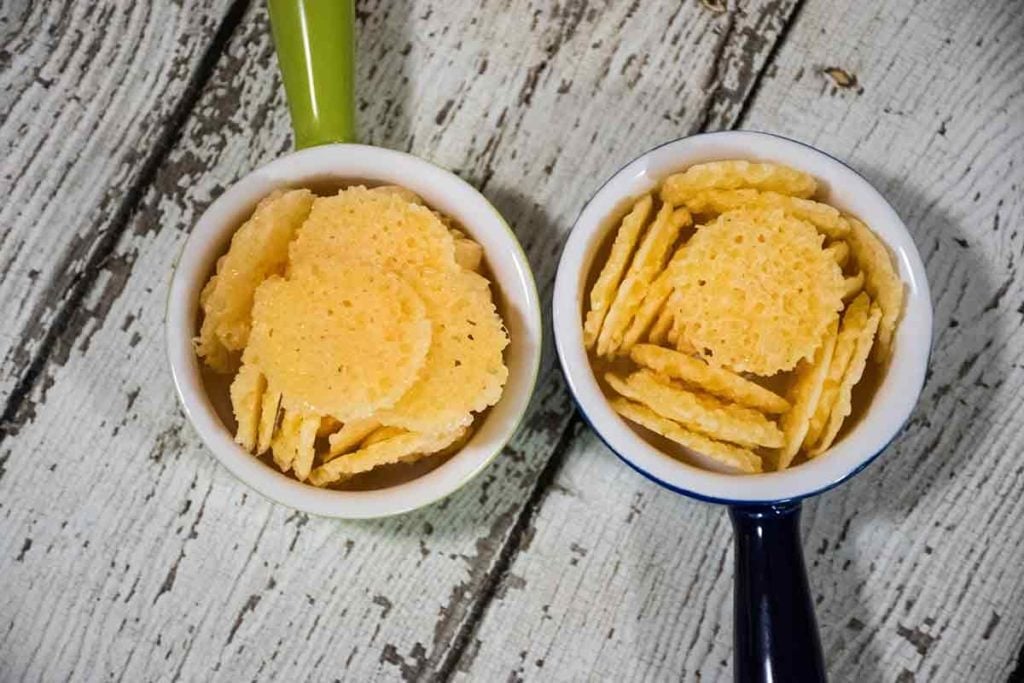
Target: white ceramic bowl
843, 188
444, 191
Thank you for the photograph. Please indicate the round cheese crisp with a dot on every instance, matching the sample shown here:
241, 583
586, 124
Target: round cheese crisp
737, 457
734, 174
259, 249
465, 369
346, 343
378, 228
756, 291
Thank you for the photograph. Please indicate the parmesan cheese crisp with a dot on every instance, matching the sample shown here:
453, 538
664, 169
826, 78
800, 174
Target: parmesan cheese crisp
362, 323
736, 313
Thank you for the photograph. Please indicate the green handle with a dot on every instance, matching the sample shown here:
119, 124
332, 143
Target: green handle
315, 41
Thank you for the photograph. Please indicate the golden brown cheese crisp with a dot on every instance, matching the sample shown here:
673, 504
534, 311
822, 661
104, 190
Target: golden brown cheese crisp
825, 218
305, 440
365, 317
698, 412
284, 444
840, 251
722, 383
382, 434
603, 292
349, 436
328, 425
653, 304
259, 248
363, 338
662, 327
269, 414
385, 452
771, 288
737, 457
647, 263
854, 371
804, 395
403, 193
881, 281
464, 371
756, 291
468, 253
733, 175
246, 392
456, 442
852, 285
855, 318
378, 228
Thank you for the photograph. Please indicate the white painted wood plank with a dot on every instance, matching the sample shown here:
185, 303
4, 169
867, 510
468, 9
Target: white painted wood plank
126, 552
915, 563
616, 579
87, 90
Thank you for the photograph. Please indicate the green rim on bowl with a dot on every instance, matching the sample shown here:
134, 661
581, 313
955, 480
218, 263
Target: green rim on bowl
315, 42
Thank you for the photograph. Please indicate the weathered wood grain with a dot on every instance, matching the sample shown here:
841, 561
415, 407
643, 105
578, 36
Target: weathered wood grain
915, 564
616, 579
90, 94
125, 551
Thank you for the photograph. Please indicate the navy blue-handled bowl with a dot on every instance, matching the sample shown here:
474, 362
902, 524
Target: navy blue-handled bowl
776, 636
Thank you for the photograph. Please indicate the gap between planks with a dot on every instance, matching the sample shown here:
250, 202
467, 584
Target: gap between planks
1017, 675
513, 544
514, 541
133, 196
773, 51
107, 243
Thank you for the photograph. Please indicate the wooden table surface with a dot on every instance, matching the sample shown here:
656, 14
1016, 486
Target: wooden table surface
126, 552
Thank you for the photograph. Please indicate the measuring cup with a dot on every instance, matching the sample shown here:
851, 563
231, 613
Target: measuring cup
776, 636
315, 47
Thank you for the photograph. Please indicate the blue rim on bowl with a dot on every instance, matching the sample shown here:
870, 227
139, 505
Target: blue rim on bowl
895, 397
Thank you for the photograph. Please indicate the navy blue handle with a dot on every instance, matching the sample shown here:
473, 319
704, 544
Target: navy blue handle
776, 635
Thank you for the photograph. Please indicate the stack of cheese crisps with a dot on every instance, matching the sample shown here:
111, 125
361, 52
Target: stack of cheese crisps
734, 314
366, 334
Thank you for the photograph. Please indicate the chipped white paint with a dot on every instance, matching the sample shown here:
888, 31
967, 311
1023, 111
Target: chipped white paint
125, 552
617, 579
87, 89
915, 564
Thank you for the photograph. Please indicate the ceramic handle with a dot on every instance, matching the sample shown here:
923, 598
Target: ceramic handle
315, 41
776, 635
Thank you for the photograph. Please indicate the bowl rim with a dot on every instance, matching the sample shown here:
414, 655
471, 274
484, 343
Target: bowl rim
895, 398
444, 191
